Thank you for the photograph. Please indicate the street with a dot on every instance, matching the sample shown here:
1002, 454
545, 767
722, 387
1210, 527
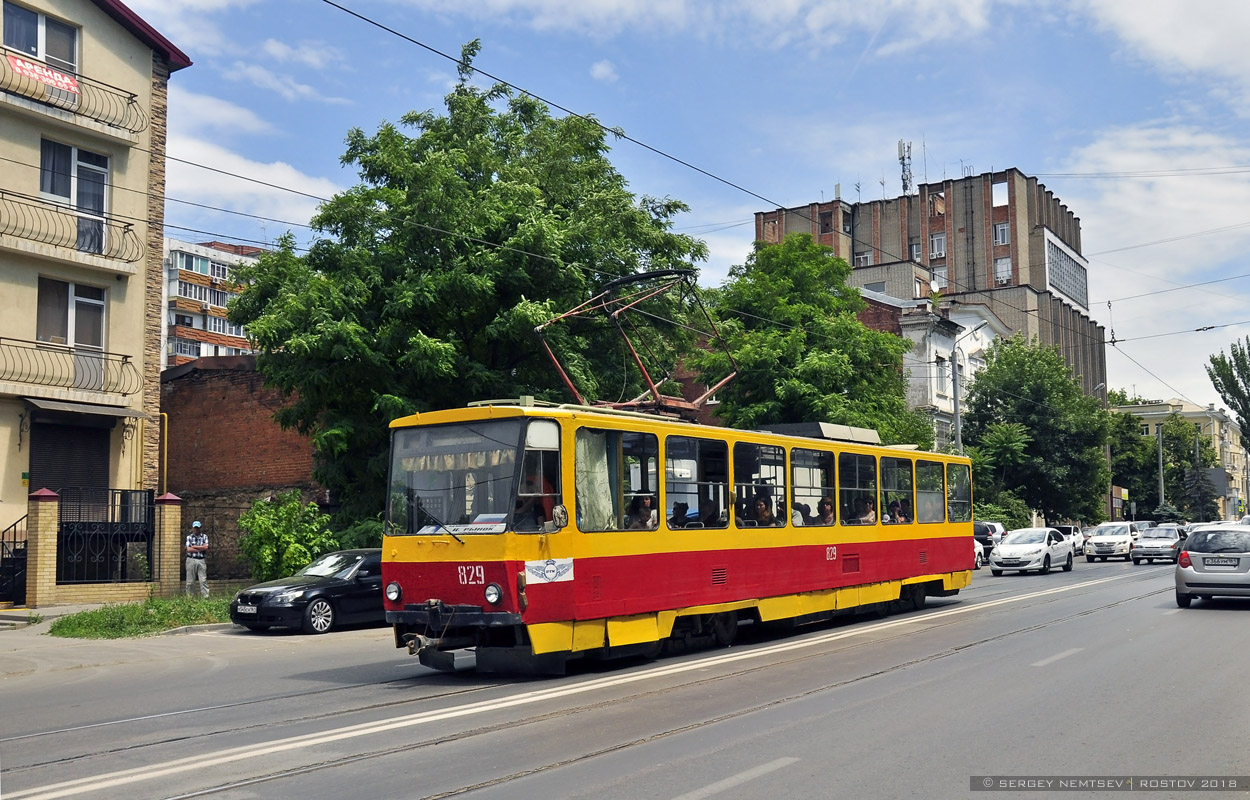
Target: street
1089, 673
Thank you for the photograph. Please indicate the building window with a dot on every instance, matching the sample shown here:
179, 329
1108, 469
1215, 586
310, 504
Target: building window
222, 325
193, 291
914, 251
186, 347
876, 286
939, 279
942, 366
846, 221
78, 177
863, 258
218, 270
1002, 271
184, 320
68, 313
826, 222
35, 35
917, 288
1002, 233
1145, 430
191, 263
999, 193
937, 204
937, 245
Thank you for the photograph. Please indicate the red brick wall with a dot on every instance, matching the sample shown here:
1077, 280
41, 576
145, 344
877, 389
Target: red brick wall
880, 317
221, 434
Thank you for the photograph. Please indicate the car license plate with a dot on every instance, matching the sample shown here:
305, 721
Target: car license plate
1010, 561
246, 609
1220, 562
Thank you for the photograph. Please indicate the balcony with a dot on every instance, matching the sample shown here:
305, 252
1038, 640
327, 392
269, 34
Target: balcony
61, 367
38, 220
93, 100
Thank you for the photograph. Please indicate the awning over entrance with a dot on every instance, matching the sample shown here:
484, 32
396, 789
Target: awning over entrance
83, 408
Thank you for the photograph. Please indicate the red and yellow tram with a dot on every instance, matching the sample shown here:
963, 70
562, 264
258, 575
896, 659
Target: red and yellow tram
535, 534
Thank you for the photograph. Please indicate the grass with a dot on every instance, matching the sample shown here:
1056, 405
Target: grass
126, 620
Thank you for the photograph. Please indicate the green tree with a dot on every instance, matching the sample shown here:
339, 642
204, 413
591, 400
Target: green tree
788, 317
1181, 443
1230, 375
436, 269
283, 535
1063, 474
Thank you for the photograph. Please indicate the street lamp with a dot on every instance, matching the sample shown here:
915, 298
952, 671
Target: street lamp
959, 438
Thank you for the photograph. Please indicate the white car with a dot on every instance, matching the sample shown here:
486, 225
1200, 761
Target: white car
1031, 548
1110, 540
978, 557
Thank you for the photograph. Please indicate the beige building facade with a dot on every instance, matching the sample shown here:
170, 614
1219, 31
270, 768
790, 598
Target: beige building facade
83, 93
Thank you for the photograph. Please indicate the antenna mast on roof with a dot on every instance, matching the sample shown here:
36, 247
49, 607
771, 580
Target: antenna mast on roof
904, 159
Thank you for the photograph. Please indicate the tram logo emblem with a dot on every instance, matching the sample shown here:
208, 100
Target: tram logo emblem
551, 570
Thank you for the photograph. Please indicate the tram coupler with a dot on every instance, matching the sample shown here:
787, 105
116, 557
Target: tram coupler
436, 653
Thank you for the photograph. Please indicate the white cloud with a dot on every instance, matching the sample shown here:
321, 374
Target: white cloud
1176, 199
311, 54
603, 71
189, 23
1207, 38
191, 113
284, 85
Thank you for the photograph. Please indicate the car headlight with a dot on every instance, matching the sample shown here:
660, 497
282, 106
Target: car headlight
493, 593
287, 596
1034, 552
393, 592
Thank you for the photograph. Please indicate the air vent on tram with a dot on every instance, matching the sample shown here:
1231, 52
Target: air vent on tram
924, 556
720, 576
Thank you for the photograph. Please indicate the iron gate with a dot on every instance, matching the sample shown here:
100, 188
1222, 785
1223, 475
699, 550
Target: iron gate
106, 536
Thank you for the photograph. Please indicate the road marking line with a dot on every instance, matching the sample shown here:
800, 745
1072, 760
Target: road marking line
1056, 657
736, 780
230, 755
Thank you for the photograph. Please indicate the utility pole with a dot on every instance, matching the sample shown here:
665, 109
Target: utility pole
959, 438
1159, 437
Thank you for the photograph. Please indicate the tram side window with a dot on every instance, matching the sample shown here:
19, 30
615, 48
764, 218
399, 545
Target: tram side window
759, 485
959, 492
539, 490
616, 479
857, 489
696, 482
896, 491
930, 492
811, 474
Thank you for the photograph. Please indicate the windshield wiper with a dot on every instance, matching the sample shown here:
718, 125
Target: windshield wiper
438, 523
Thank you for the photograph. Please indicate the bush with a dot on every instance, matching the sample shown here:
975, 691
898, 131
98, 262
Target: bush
284, 535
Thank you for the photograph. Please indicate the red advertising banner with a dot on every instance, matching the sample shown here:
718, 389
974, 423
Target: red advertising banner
43, 74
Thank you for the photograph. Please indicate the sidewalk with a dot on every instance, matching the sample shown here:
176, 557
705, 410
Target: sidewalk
22, 617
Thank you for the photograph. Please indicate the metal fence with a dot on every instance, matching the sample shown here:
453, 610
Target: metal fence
106, 536
13, 563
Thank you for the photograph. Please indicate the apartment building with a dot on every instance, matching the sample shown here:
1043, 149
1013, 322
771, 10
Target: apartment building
999, 240
1231, 477
198, 286
83, 96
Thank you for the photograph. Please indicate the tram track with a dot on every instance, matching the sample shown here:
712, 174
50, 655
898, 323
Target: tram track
791, 652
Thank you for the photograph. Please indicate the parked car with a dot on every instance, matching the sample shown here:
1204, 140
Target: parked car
1031, 548
1214, 561
1110, 540
983, 534
1163, 542
978, 554
339, 588
1139, 525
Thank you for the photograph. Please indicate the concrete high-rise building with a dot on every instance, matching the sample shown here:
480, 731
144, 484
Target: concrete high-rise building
999, 240
199, 283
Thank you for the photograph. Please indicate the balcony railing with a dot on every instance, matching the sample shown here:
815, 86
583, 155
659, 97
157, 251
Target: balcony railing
43, 364
49, 223
94, 100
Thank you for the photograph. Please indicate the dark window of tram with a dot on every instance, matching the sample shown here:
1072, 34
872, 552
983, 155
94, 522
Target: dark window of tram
896, 492
614, 472
857, 489
539, 490
811, 474
696, 482
959, 492
760, 485
930, 492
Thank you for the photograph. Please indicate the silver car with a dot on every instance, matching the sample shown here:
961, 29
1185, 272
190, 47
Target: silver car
1110, 540
1163, 543
1214, 561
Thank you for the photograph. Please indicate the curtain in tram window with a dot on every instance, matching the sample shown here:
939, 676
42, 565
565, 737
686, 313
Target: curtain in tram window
592, 475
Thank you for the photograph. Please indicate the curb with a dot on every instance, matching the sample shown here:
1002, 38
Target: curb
185, 629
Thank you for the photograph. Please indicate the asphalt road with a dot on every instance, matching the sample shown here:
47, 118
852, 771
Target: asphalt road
1091, 673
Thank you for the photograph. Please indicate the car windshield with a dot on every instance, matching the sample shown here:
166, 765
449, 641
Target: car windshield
337, 565
1025, 537
1112, 530
1159, 533
1219, 541
460, 475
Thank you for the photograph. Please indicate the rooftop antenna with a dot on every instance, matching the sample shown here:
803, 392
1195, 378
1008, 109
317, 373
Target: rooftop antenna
924, 159
882, 182
904, 159
858, 198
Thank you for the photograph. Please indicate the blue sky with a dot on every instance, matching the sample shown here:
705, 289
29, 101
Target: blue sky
1134, 112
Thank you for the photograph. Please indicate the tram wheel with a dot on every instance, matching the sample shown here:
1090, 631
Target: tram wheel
725, 628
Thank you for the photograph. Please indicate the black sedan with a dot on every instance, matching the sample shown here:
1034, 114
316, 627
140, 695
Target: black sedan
339, 588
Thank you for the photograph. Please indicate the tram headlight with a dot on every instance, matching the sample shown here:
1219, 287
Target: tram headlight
493, 593
393, 592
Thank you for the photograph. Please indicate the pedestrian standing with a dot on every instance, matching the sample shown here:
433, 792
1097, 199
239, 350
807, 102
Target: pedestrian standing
197, 551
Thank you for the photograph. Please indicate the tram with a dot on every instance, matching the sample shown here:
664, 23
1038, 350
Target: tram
535, 534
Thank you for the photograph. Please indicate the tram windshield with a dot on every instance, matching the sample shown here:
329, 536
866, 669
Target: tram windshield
458, 479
